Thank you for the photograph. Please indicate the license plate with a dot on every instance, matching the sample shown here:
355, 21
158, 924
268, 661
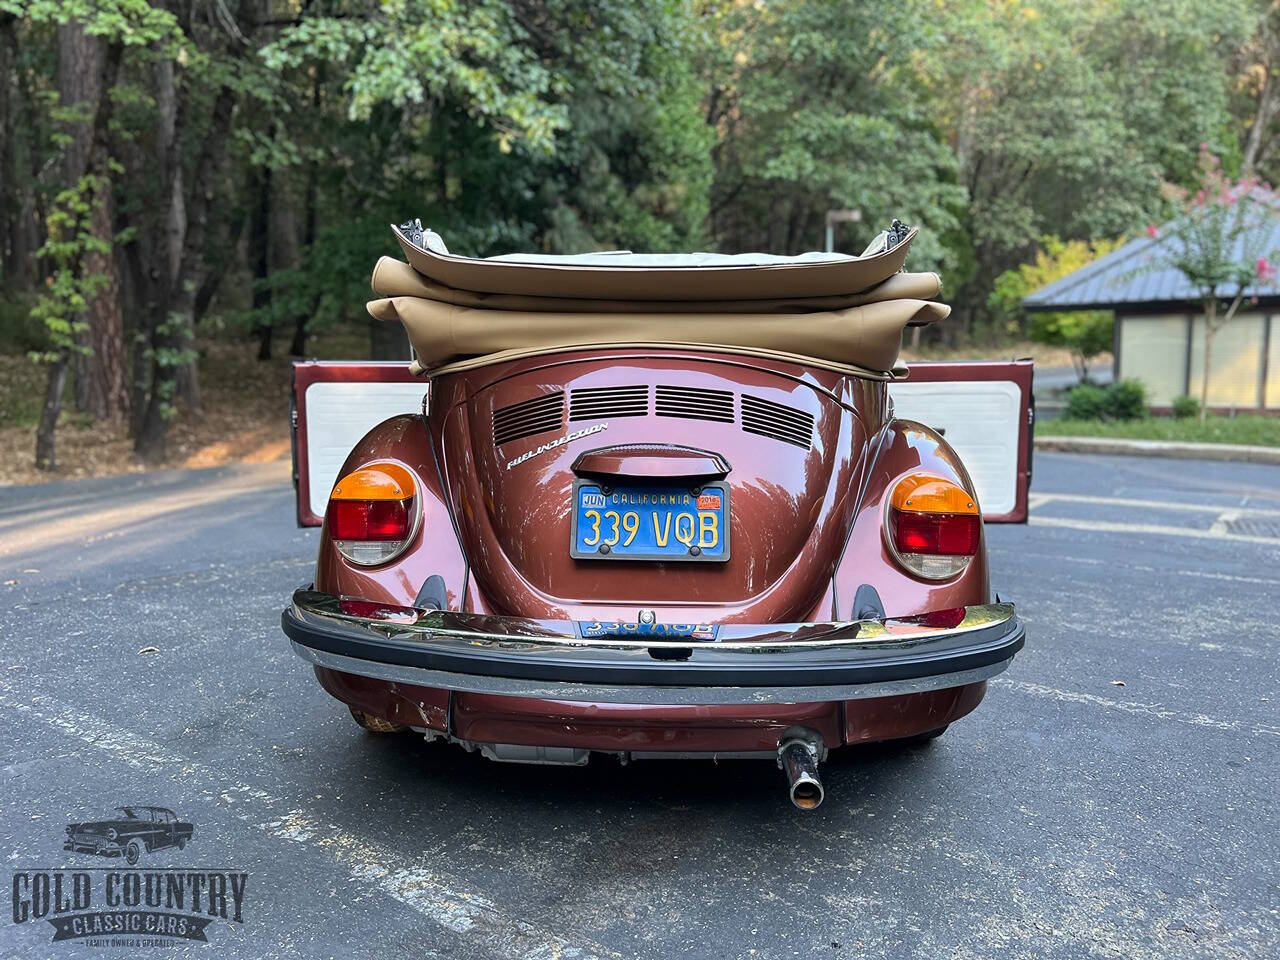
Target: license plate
650, 522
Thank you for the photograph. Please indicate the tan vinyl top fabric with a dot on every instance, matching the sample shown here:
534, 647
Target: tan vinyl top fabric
899, 371
663, 277
838, 312
395, 278
866, 337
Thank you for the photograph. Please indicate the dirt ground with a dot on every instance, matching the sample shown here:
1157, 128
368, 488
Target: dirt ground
244, 415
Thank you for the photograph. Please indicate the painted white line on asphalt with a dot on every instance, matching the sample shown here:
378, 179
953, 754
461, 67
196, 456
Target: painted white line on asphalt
1153, 710
416, 886
1220, 526
1233, 577
1141, 568
1107, 526
1040, 499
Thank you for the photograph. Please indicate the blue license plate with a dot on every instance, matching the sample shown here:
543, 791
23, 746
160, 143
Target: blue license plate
650, 522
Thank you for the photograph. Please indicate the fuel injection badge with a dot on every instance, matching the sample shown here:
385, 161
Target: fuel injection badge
558, 442
125, 904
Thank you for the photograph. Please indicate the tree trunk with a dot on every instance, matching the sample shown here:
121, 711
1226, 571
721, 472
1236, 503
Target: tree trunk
33, 215
213, 278
1210, 316
1268, 102
108, 367
298, 347
186, 376
10, 209
260, 258
46, 452
173, 320
87, 70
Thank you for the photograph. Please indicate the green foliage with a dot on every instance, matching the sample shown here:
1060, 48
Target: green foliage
1186, 407
1122, 400
1254, 430
822, 105
1220, 234
133, 23
1065, 116
1085, 402
414, 53
62, 303
1085, 333
1125, 400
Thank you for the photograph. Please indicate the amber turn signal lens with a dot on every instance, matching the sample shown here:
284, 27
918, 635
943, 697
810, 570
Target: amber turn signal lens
925, 493
933, 526
373, 513
382, 481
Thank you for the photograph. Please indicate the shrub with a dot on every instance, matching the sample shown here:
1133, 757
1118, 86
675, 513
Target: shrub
1122, 400
1184, 407
1085, 402
1125, 400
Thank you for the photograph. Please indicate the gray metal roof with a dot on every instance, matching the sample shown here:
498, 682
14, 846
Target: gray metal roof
1118, 279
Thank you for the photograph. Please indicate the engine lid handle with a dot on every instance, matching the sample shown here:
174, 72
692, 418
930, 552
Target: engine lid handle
651, 461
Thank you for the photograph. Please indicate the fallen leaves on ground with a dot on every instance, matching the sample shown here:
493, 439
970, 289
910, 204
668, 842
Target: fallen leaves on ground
244, 418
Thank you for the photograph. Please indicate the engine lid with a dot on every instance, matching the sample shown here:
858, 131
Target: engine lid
788, 449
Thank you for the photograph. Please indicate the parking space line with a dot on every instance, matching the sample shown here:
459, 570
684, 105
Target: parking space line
1138, 567
424, 890
1107, 526
1222, 523
1153, 710
1039, 499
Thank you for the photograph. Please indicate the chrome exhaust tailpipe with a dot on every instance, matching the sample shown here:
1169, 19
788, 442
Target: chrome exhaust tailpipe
798, 757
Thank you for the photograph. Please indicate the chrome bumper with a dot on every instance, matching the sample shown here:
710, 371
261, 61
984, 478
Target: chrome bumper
552, 660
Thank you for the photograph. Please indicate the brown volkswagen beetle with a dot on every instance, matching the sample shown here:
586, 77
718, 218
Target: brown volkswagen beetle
657, 506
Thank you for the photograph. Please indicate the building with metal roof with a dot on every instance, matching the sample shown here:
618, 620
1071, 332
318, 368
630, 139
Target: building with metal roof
1159, 334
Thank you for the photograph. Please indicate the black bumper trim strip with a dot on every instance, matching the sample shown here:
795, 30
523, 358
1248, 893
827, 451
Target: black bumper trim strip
706, 665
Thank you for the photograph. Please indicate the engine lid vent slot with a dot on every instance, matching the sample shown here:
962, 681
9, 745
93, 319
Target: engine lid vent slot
776, 420
591, 403
524, 419
694, 403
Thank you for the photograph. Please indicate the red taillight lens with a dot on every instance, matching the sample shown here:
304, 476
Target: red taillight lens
370, 519
938, 534
933, 525
373, 513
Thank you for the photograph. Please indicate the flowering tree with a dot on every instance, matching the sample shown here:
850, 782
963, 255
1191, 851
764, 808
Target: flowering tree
1219, 240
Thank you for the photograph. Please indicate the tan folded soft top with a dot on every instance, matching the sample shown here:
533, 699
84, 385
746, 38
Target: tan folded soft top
836, 311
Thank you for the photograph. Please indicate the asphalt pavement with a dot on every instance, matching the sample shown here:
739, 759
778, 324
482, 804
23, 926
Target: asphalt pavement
1060, 378
1115, 796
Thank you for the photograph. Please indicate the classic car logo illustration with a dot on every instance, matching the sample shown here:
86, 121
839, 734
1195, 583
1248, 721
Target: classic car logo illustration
134, 832
127, 905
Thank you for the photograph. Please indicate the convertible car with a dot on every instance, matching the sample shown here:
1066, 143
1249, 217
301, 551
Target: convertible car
657, 506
